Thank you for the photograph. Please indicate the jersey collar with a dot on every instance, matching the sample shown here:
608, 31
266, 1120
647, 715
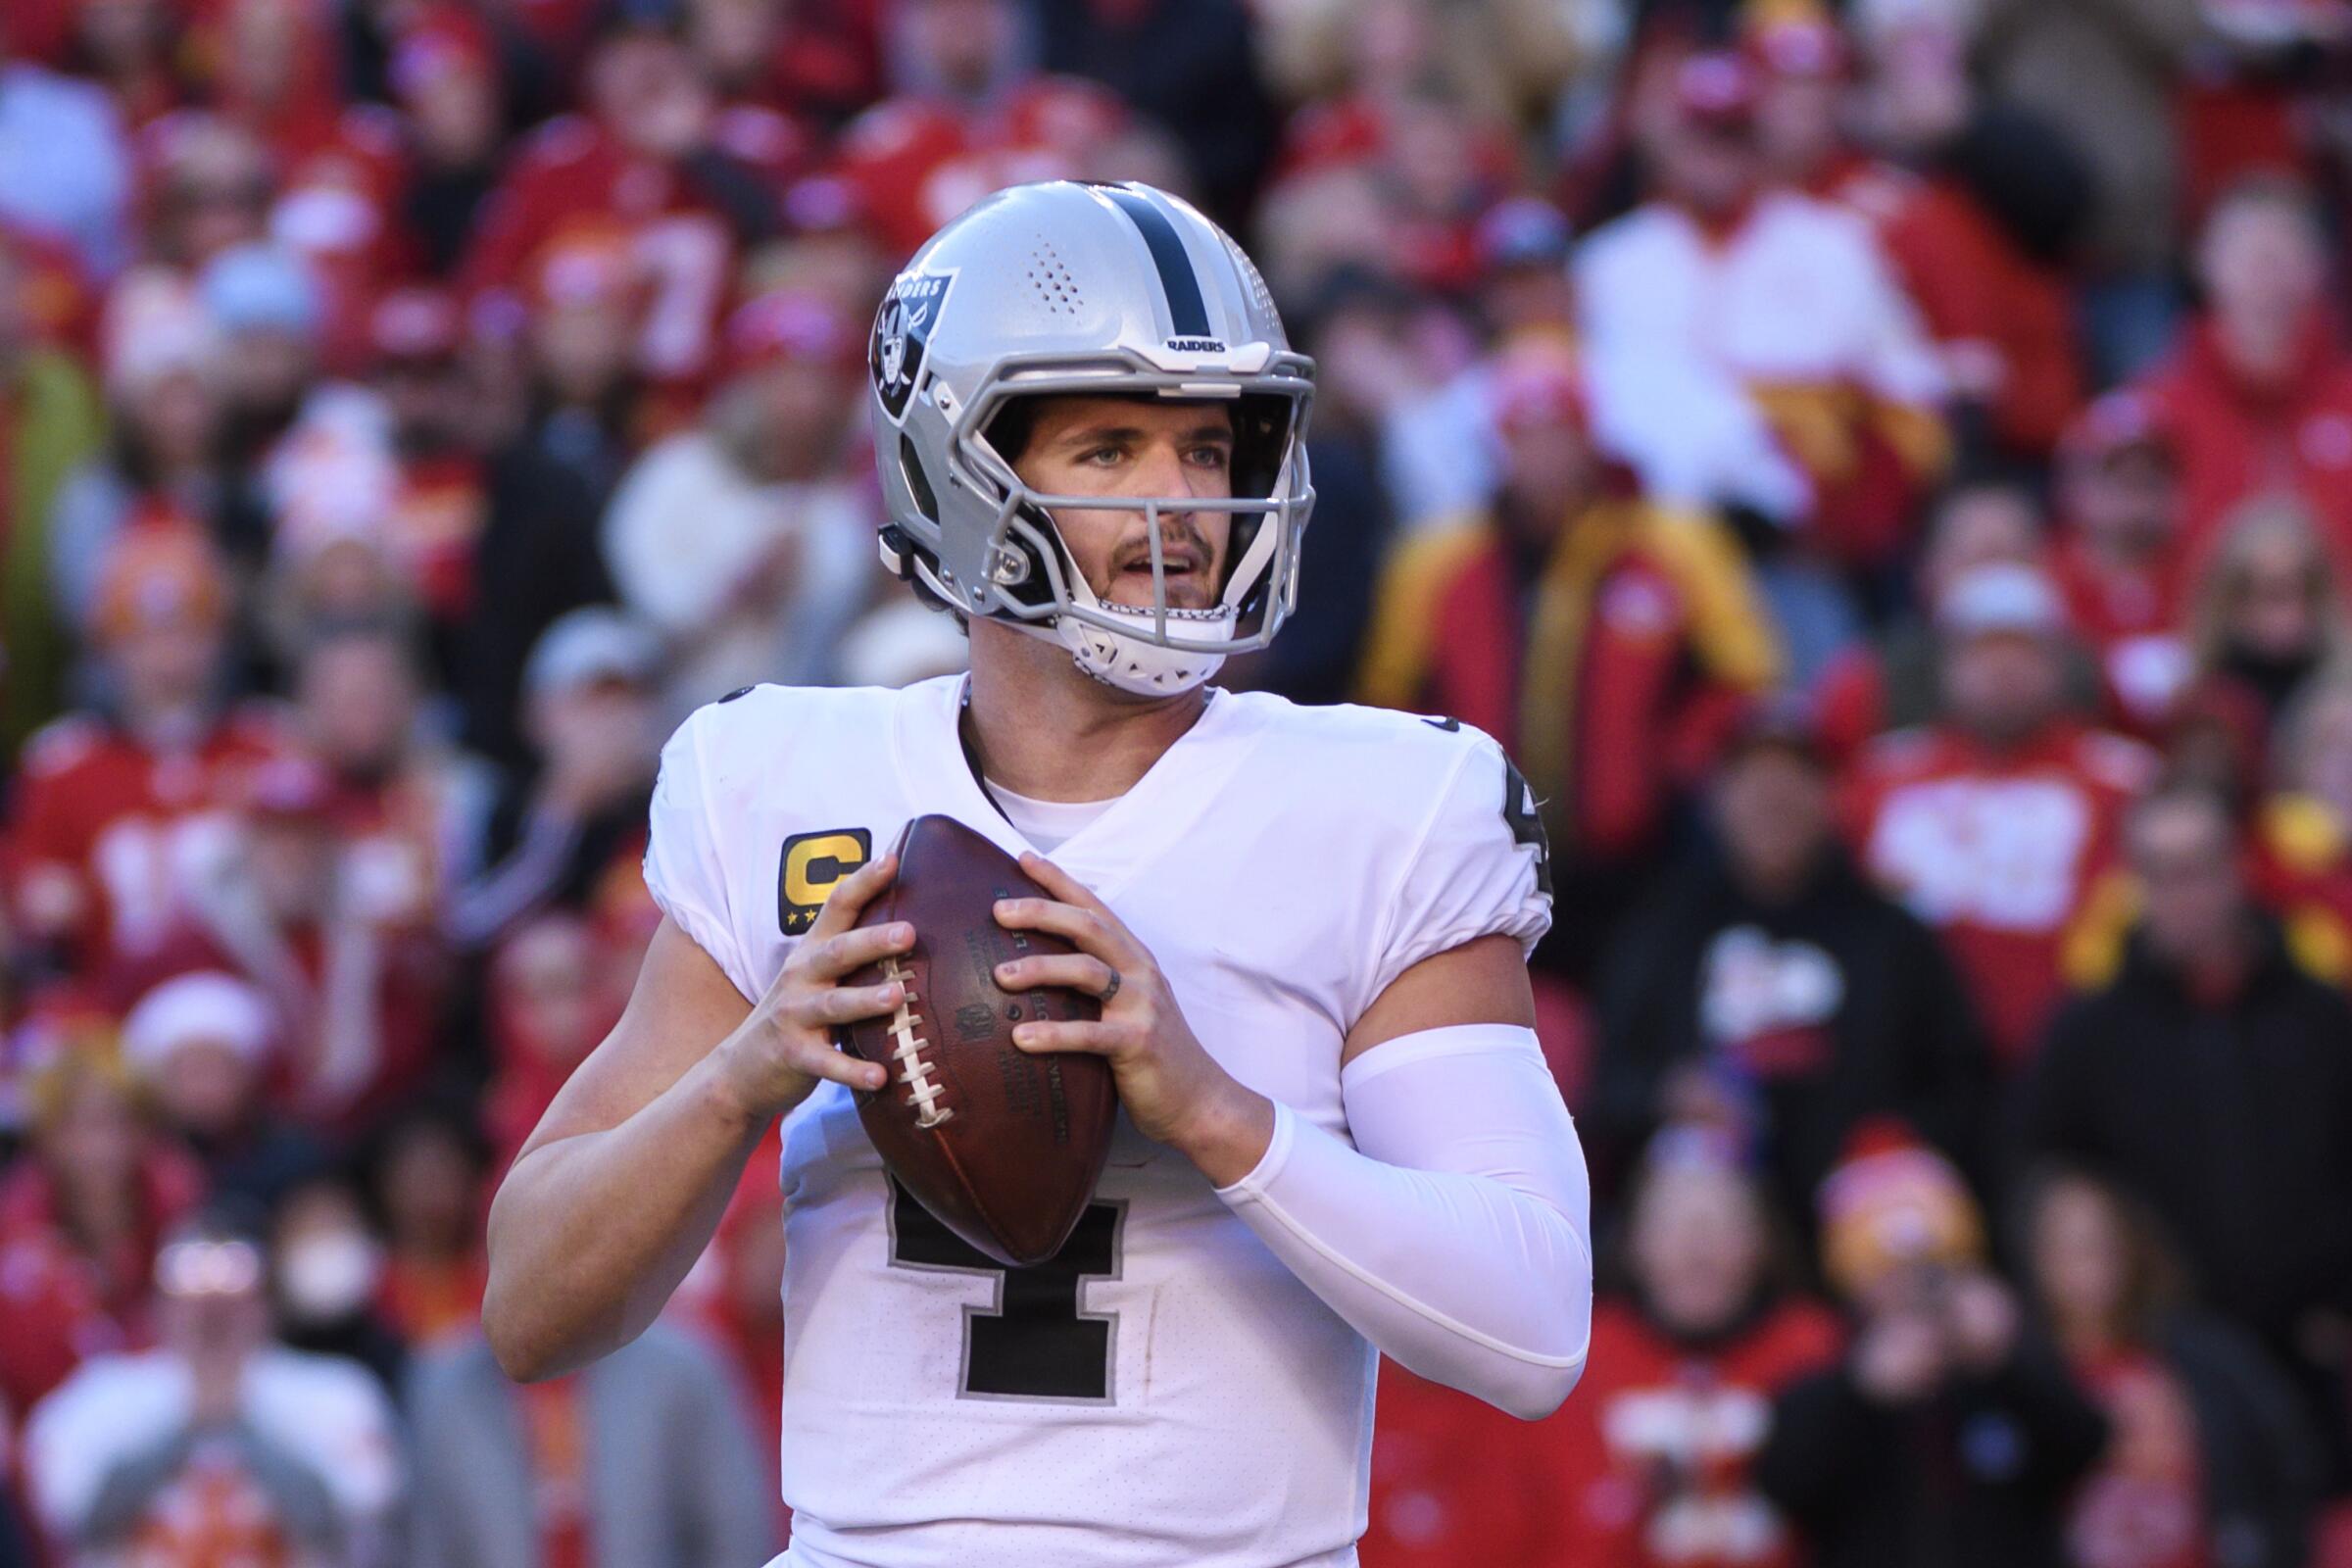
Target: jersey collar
1154, 817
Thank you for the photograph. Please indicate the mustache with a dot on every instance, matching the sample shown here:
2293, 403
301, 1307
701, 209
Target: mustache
1177, 536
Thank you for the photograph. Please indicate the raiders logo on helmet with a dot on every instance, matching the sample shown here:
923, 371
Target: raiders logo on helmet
901, 329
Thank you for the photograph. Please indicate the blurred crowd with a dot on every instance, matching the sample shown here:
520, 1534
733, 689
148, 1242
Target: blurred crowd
1885, 469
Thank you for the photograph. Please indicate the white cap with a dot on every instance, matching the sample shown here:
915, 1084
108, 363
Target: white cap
590, 643
2000, 597
207, 1005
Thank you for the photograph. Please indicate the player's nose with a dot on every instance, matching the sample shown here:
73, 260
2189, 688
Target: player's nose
1164, 472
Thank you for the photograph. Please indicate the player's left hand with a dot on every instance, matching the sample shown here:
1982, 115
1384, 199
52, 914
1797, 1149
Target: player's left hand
1173, 1089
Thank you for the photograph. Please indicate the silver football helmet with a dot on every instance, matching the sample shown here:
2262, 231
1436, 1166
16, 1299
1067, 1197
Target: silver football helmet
1066, 287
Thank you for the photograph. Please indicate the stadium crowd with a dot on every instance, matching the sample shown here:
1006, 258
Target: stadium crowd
1883, 470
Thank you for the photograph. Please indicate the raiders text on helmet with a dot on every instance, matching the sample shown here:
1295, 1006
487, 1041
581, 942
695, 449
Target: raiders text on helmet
1073, 288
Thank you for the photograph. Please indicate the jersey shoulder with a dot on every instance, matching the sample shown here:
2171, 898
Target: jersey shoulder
753, 732
1377, 768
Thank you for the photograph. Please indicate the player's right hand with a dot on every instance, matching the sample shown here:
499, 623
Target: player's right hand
785, 1048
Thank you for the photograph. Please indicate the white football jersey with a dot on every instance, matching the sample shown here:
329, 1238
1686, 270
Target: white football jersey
1164, 1391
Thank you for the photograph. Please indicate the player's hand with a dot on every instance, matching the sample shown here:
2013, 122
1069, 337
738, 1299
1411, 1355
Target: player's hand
779, 1053
1173, 1089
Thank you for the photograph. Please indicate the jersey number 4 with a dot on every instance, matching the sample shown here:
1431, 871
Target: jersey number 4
1033, 1343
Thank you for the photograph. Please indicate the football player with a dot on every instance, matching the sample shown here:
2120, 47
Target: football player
1308, 927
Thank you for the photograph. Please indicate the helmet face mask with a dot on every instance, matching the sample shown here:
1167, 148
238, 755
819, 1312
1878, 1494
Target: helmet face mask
949, 354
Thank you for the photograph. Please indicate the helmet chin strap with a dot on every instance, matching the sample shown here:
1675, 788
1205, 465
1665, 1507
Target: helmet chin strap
1131, 661
1134, 663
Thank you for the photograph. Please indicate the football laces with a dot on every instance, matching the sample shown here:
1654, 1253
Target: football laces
907, 1050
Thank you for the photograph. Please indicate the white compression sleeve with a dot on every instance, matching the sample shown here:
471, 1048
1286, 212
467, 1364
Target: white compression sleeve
1456, 1235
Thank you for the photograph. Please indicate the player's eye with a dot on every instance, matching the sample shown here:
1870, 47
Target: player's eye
1212, 454
1101, 457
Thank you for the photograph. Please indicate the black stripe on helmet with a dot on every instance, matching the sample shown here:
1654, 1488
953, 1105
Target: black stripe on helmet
1186, 310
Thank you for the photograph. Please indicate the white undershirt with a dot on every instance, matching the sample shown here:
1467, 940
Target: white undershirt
1047, 824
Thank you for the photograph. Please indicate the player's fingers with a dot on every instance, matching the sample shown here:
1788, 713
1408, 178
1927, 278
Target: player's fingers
1064, 886
836, 1004
1091, 1039
841, 954
1079, 972
1083, 929
851, 894
841, 1066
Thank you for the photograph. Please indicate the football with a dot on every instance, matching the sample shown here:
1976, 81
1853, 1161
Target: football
1001, 1147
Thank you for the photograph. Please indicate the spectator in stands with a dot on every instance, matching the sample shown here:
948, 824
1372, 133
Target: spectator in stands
128, 48
968, 112
2269, 617
642, 1459
1613, 682
1975, 209
1770, 991
2210, 1445
1948, 1434
1653, 1464
2118, 558
2302, 831
218, 1440
1776, 300
444, 76
64, 168
747, 542
654, 156
327, 1269
586, 298
211, 187
272, 67
82, 1214
161, 464
553, 994
424, 1174
396, 795
356, 994
484, 534
561, 835
1994, 822
1895, 681
117, 805
2208, 1078
202, 1045
437, 498
50, 423
1185, 64
1361, 433
2258, 392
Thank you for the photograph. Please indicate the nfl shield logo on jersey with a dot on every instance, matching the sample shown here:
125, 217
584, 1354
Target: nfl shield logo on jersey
901, 329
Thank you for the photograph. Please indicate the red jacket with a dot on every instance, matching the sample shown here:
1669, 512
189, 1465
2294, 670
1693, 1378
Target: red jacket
2236, 440
572, 177
2131, 623
1648, 1460
1976, 291
1611, 688
917, 163
103, 826
1456, 1481
1997, 850
62, 1305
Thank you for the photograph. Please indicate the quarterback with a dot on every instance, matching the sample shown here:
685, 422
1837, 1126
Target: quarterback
1307, 927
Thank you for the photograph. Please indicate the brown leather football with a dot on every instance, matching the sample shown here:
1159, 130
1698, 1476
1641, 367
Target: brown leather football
1003, 1147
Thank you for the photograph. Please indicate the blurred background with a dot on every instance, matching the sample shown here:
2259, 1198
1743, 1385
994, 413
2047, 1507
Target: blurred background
1884, 470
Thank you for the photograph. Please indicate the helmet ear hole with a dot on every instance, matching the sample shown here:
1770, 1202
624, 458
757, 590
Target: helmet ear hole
926, 499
